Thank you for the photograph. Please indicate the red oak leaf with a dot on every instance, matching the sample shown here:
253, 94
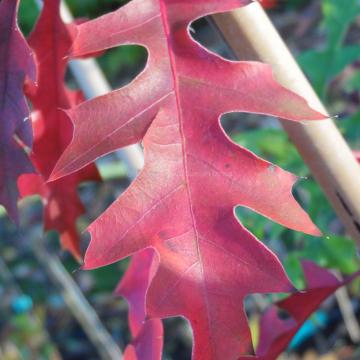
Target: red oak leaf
276, 333
147, 334
182, 203
16, 63
51, 41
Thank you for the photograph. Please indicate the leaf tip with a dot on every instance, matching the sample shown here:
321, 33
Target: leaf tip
315, 231
58, 171
55, 175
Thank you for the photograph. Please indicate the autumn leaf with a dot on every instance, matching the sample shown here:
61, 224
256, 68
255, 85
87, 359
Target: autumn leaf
147, 334
53, 129
16, 63
182, 203
275, 332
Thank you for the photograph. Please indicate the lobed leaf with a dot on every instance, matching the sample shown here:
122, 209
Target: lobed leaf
182, 203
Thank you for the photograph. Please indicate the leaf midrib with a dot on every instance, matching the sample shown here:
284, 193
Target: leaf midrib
185, 169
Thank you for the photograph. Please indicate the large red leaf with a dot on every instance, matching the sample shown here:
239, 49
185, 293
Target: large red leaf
16, 63
182, 202
51, 41
276, 333
147, 334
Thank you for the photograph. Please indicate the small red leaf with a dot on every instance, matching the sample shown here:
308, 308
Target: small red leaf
16, 63
275, 333
148, 343
147, 334
53, 129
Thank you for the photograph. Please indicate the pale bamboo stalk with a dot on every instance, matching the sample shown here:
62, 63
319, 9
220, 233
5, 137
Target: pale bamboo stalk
351, 322
252, 36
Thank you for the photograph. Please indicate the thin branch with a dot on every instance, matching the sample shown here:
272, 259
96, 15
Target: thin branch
77, 303
347, 312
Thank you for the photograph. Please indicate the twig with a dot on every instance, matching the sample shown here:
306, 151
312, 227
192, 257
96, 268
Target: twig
8, 278
347, 312
77, 303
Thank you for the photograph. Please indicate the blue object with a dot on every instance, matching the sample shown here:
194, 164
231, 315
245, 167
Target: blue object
309, 329
21, 304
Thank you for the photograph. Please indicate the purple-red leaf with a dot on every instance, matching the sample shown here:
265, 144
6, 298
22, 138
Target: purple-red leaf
182, 203
276, 333
147, 334
16, 63
51, 41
